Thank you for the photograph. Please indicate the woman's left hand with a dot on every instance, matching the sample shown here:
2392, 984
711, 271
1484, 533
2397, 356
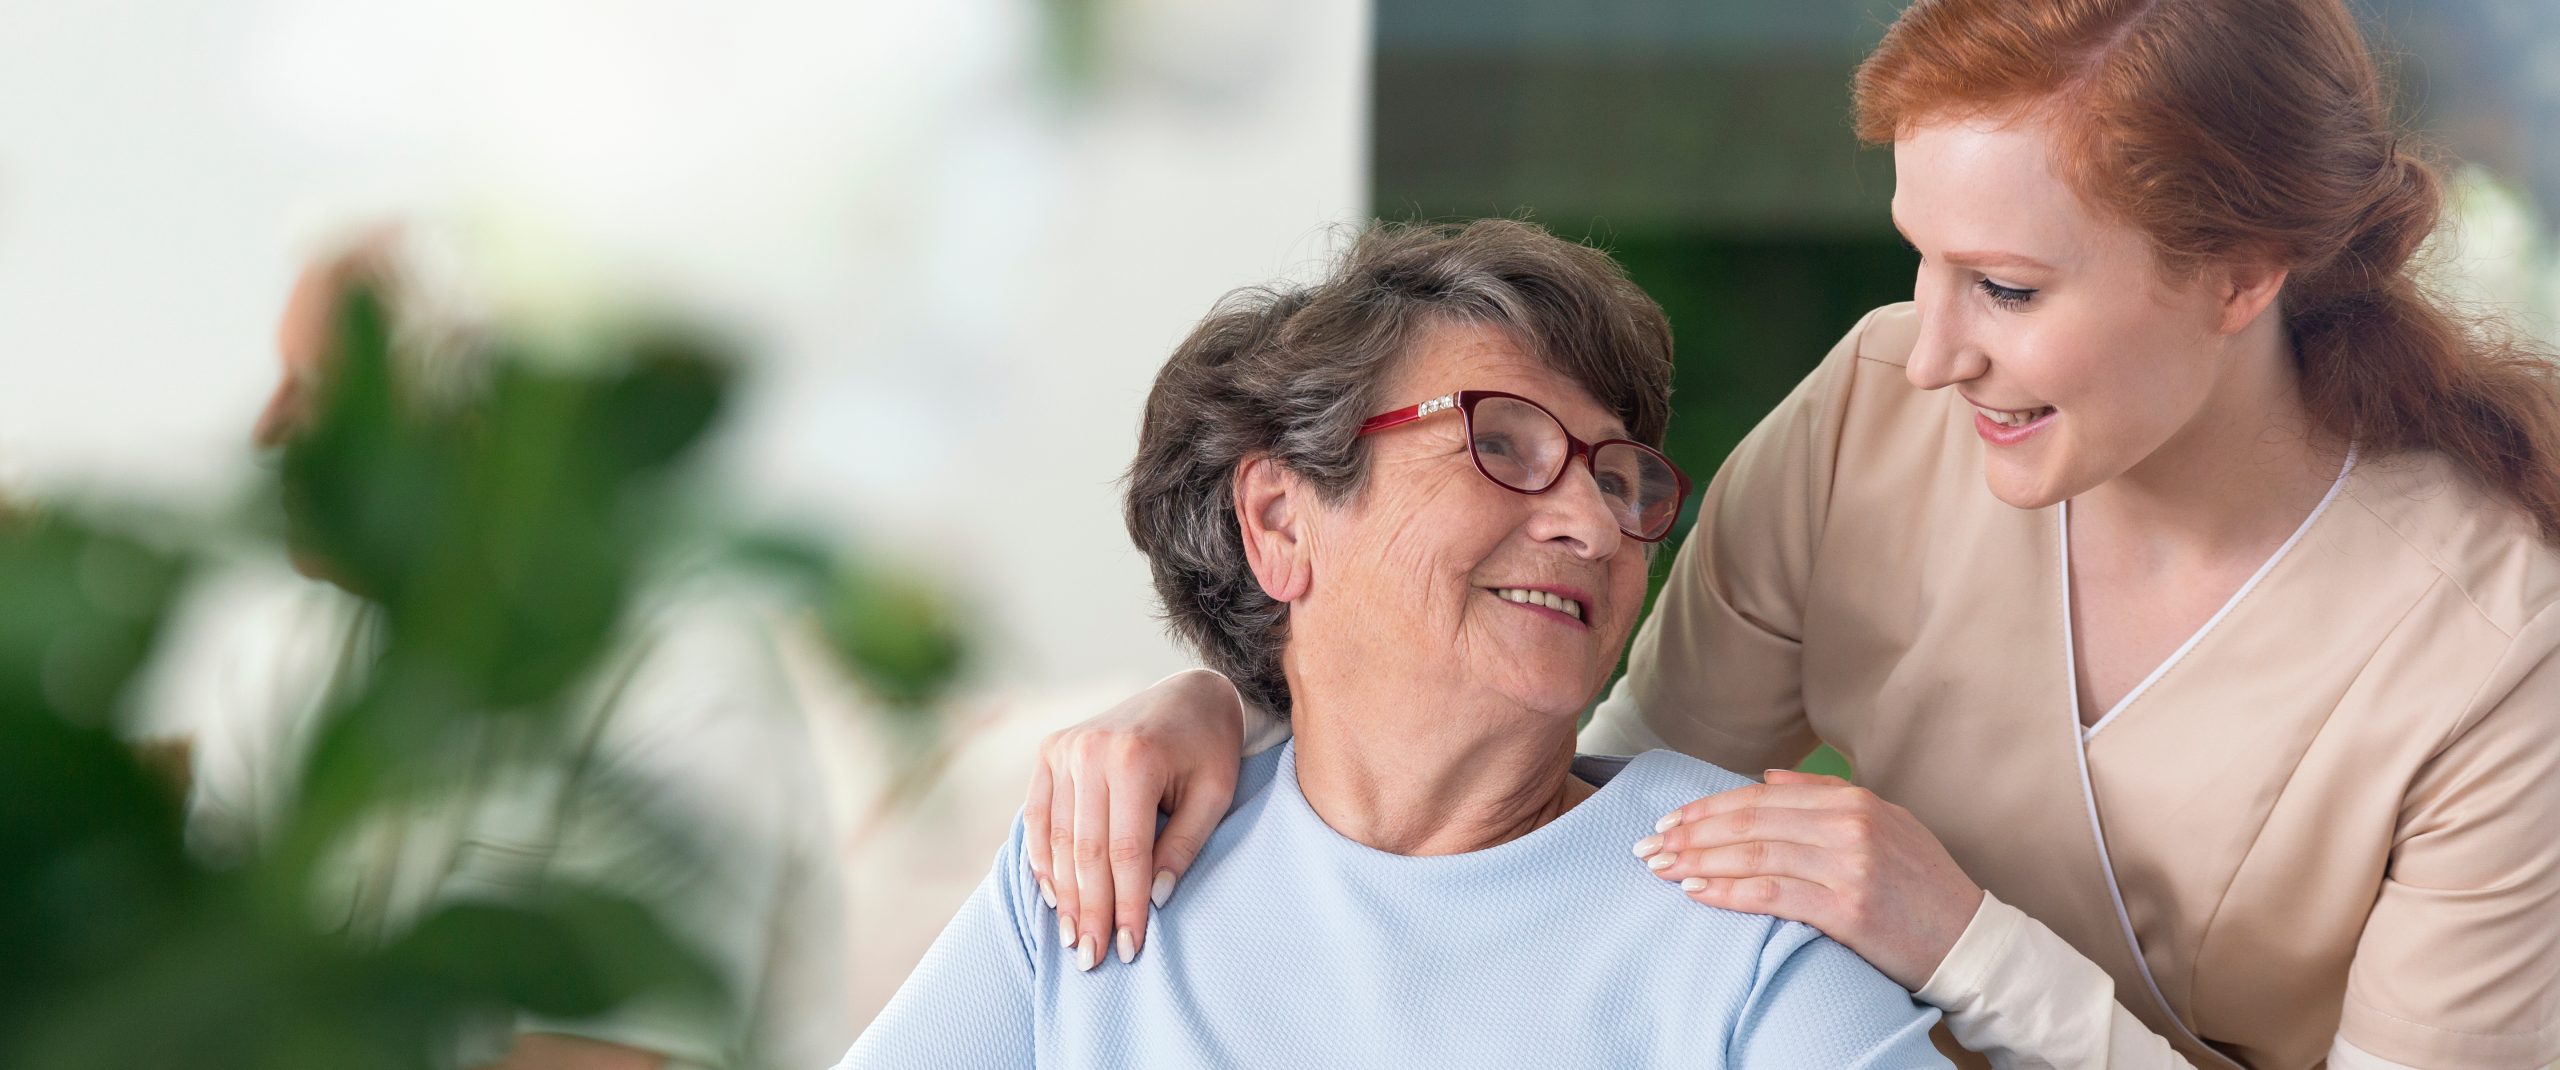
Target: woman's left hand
1818, 850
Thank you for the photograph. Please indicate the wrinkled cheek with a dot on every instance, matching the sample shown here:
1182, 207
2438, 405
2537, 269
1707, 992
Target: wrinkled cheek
1407, 550
1424, 558
1414, 526
1396, 581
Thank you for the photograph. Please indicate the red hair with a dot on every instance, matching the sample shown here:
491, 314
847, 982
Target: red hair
2252, 130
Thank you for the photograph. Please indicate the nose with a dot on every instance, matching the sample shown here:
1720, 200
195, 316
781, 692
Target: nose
1944, 354
1575, 516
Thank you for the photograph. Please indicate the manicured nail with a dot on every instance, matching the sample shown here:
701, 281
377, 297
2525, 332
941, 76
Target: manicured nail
1661, 861
1128, 947
1066, 931
1163, 889
1088, 954
1048, 894
1647, 846
1693, 884
1668, 820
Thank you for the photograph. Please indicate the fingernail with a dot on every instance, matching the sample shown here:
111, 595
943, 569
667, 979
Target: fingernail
1088, 954
1668, 820
1066, 931
1163, 889
1693, 884
1647, 846
1128, 947
1661, 861
1048, 894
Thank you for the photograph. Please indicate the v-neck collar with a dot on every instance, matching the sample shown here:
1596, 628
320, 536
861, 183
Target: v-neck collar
2082, 736
2070, 646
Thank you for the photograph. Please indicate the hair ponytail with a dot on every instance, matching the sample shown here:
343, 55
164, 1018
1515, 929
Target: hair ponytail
2391, 364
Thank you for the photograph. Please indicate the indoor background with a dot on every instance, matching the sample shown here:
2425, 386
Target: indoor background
958, 239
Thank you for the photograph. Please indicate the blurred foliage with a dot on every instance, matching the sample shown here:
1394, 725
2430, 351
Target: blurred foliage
903, 637
1072, 39
501, 542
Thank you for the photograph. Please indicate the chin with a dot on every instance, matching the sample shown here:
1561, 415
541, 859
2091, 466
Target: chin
2024, 487
2020, 495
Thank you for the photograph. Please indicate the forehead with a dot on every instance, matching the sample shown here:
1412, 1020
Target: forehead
1981, 183
1452, 356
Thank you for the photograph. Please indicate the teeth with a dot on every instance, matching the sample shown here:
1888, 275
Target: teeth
2013, 419
1540, 598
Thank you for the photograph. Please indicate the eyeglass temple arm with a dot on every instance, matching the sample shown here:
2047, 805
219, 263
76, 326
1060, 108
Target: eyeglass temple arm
1409, 413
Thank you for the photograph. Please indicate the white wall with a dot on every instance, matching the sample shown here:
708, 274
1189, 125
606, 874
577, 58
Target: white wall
962, 272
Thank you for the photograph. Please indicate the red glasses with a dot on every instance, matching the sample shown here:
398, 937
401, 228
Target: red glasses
1522, 447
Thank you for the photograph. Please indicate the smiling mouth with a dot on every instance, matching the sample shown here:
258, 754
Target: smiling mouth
2017, 418
1540, 599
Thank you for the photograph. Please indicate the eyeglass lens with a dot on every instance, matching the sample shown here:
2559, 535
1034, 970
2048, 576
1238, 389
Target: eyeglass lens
1522, 447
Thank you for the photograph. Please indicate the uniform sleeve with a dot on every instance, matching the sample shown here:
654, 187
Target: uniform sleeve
969, 1003
2345, 1056
2022, 996
1716, 670
2459, 964
1816, 1003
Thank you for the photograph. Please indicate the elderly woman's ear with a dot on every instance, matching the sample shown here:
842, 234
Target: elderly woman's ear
1271, 515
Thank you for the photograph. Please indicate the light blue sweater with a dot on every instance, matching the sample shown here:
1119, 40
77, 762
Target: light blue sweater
1290, 945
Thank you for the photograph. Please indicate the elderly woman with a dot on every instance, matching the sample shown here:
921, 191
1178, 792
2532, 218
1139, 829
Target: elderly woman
1412, 506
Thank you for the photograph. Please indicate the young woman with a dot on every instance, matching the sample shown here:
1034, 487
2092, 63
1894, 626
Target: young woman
2177, 573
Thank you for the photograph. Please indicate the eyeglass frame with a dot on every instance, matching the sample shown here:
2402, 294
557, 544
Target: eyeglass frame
1465, 402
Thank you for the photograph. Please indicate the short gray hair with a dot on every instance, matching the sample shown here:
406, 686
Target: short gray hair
1291, 373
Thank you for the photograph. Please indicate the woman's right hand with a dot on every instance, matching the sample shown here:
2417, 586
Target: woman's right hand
1096, 790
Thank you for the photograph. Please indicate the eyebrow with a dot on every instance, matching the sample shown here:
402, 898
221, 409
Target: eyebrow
1981, 258
1989, 258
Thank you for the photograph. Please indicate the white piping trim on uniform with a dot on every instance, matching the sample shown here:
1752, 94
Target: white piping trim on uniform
2080, 742
2180, 654
2089, 796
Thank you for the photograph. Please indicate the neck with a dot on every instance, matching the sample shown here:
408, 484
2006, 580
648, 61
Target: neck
2240, 476
1430, 778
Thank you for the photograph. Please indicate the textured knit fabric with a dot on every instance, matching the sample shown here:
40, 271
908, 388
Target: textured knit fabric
1290, 945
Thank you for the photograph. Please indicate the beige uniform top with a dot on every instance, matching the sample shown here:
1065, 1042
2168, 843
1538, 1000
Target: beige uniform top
2334, 814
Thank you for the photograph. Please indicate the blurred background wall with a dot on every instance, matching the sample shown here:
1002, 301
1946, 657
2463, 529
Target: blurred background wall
961, 255
961, 237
